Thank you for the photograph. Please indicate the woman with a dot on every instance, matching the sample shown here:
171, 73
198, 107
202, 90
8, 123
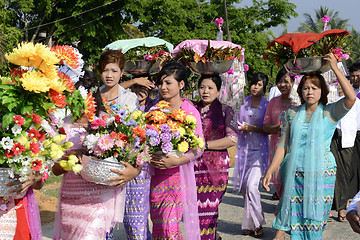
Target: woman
136, 214
87, 210
252, 155
211, 169
307, 166
19, 215
276, 107
173, 187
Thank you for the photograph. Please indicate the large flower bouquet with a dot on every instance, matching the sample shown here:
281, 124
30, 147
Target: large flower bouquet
39, 87
171, 130
121, 137
303, 45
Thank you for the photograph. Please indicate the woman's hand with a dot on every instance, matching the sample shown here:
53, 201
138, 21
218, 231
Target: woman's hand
266, 181
163, 161
34, 180
247, 128
125, 175
330, 57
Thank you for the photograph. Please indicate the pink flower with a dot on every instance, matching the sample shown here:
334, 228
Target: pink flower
98, 122
120, 143
231, 71
149, 57
326, 19
105, 142
246, 67
219, 22
97, 151
345, 56
44, 177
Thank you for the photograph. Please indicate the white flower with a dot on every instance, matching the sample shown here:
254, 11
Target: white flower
110, 120
90, 141
7, 143
16, 129
46, 126
83, 92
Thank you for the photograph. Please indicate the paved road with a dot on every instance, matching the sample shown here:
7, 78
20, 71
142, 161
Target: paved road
231, 212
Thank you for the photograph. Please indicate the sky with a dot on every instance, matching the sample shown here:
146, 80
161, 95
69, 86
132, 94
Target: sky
348, 9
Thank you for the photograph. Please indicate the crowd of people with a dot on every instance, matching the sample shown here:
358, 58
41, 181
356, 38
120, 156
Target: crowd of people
291, 146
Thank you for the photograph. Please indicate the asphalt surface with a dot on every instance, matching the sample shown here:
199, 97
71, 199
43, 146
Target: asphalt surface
230, 217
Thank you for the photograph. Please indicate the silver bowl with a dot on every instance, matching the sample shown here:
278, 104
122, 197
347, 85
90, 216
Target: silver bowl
301, 66
5, 178
141, 67
213, 67
99, 171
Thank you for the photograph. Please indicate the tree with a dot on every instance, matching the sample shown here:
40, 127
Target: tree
317, 25
355, 47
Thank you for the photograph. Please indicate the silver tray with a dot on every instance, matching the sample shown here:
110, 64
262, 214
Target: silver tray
99, 171
141, 67
213, 67
301, 66
4, 180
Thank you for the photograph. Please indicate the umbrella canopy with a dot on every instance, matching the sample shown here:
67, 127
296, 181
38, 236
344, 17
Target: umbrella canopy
128, 44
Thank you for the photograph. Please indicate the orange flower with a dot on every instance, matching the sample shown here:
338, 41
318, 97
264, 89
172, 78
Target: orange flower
158, 116
69, 85
179, 115
58, 98
113, 135
68, 54
139, 131
174, 127
90, 107
163, 104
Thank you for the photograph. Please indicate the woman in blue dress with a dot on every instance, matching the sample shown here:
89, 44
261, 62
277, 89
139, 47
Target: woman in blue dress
307, 166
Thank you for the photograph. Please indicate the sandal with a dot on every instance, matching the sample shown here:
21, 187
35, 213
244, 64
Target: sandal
248, 232
259, 232
341, 216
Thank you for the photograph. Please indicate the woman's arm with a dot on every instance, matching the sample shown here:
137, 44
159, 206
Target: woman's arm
348, 90
125, 175
247, 128
142, 81
277, 159
220, 144
271, 128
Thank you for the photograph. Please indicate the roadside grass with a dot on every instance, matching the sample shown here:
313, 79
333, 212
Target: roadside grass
52, 186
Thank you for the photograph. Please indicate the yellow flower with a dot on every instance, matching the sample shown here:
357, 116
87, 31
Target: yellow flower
201, 142
63, 163
72, 160
190, 119
183, 146
44, 153
54, 80
68, 145
23, 140
182, 131
136, 115
35, 82
56, 151
59, 138
77, 168
48, 56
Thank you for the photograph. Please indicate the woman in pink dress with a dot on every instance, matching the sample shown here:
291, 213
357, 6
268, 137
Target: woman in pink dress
276, 107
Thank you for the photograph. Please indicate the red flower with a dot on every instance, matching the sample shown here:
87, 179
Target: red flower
36, 165
33, 133
8, 153
58, 98
19, 120
36, 118
41, 136
117, 119
69, 85
17, 148
62, 130
34, 147
123, 137
17, 73
105, 117
113, 135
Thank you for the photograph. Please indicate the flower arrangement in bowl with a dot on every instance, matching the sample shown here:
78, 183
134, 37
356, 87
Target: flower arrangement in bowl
208, 57
297, 50
142, 60
171, 131
110, 140
29, 143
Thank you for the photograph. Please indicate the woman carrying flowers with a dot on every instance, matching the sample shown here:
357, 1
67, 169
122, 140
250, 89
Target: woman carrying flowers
307, 166
86, 210
252, 155
272, 123
136, 214
211, 169
173, 187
